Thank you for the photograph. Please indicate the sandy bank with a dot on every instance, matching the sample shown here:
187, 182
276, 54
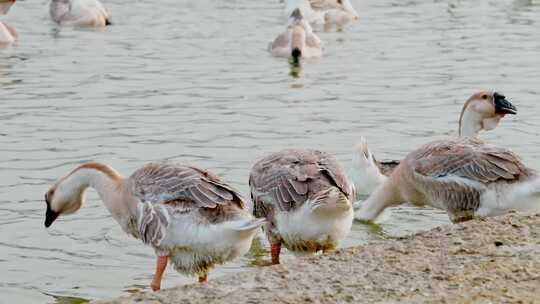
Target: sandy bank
482, 261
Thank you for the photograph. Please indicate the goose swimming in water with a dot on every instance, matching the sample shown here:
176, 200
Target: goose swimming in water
483, 111
324, 12
8, 35
188, 215
91, 13
306, 198
465, 176
298, 41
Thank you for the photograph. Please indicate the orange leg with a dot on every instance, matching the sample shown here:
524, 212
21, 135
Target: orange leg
203, 278
275, 249
160, 269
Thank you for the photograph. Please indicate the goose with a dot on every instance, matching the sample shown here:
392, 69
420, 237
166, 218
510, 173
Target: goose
324, 12
483, 111
91, 13
298, 41
8, 35
306, 198
188, 215
464, 176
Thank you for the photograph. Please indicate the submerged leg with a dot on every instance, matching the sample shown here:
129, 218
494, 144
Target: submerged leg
275, 250
160, 269
203, 278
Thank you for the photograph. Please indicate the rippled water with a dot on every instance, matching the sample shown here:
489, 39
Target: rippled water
192, 81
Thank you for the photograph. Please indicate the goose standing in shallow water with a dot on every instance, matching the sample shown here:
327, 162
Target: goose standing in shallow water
464, 176
188, 215
483, 111
8, 35
90, 13
306, 199
298, 41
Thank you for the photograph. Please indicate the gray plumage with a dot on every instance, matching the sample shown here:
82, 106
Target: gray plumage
457, 172
284, 181
167, 188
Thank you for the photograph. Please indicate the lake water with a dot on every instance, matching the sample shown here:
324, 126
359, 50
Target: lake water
192, 81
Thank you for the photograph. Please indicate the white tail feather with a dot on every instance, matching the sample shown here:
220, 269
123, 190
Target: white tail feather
364, 172
251, 225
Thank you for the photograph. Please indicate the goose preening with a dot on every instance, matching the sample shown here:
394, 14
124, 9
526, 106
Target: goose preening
298, 41
324, 12
483, 111
8, 35
306, 198
91, 13
188, 215
464, 176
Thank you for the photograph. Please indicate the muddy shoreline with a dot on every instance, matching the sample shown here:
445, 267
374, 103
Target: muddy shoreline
492, 260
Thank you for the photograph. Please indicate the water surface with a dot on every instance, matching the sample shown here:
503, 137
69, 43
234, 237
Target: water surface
192, 81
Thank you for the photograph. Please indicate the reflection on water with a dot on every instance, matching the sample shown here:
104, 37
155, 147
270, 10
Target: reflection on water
195, 83
67, 300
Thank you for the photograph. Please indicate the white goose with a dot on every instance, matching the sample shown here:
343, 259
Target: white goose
464, 176
298, 41
324, 12
8, 35
306, 198
481, 112
91, 13
188, 215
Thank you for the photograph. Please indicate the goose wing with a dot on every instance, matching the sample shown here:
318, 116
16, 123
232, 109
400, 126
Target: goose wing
285, 180
456, 172
168, 188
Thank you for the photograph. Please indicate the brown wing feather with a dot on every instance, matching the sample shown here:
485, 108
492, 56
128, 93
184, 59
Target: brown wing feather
457, 172
286, 179
166, 188
469, 158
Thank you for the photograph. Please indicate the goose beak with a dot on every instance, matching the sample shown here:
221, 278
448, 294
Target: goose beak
503, 106
50, 215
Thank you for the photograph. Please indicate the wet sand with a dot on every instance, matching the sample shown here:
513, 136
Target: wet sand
492, 260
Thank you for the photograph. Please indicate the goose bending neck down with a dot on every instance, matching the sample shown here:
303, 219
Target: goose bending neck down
483, 111
188, 215
306, 198
298, 41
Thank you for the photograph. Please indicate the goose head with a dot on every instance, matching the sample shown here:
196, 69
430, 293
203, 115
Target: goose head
65, 197
483, 111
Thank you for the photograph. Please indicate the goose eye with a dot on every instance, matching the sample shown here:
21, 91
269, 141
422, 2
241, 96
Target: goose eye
484, 96
340, 1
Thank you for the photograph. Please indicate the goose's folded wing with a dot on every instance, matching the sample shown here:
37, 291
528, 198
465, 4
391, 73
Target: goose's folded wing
280, 45
283, 179
470, 159
165, 189
457, 172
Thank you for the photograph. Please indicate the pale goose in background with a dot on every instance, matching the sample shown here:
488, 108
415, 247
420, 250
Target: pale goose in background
298, 41
90, 13
188, 215
481, 112
329, 13
306, 198
8, 35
